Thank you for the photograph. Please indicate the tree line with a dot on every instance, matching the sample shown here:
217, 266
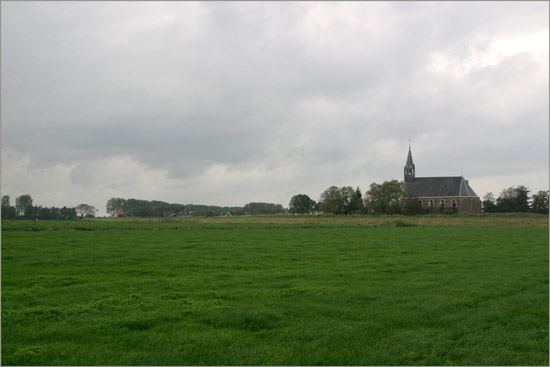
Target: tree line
155, 208
387, 198
24, 209
391, 197
516, 199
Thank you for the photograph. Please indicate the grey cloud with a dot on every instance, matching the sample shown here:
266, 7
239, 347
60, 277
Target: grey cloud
184, 86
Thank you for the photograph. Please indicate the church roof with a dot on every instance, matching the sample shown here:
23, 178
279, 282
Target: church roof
439, 186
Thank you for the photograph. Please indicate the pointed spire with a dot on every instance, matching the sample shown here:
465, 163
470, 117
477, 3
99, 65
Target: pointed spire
409, 157
409, 167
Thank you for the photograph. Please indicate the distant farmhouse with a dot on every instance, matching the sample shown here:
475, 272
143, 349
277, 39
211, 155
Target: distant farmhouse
441, 193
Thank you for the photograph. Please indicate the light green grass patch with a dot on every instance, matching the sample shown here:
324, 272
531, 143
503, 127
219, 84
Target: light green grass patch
253, 293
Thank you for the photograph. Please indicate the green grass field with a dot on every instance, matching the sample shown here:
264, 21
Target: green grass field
276, 291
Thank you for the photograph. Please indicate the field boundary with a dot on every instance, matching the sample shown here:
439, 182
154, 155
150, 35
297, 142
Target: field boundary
279, 222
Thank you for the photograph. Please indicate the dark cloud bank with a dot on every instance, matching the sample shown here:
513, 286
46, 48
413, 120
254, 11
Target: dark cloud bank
227, 103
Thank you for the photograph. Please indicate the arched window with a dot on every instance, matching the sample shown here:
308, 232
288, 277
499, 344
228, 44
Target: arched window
442, 203
431, 204
420, 202
453, 204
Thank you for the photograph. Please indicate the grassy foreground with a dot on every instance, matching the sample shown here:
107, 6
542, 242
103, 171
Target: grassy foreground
277, 291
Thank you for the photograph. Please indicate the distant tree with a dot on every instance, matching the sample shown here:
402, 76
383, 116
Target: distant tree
8, 211
357, 206
55, 213
317, 206
52, 213
539, 202
142, 212
144, 208
385, 198
5, 201
341, 200
177, 208
301, 204
67, 213
348, 195
43, 213
136, 208
412, 206
237, 211
522, 199
161, 210
488, 204
513, 199
263, 208
331, 201
85, 210
115, 205
23, 204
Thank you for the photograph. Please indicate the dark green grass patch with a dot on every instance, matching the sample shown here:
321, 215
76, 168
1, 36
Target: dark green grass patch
275, 295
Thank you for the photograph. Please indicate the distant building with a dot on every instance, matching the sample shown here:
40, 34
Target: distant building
441, 193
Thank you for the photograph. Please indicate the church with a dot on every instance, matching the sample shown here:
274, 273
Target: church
441, 194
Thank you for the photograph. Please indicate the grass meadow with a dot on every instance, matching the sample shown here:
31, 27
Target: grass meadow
277, 291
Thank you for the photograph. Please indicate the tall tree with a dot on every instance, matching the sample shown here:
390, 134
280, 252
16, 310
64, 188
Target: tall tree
5, 201
341, 200
23, 204
539, 202
348, 195
513, 199
385, 198
85, 210
358, 207
115, 205
331, 201
8, 211
67, 213
301, 204
488, 203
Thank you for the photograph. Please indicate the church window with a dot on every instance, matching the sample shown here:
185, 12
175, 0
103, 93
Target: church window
442, 203
453, 204
431, 204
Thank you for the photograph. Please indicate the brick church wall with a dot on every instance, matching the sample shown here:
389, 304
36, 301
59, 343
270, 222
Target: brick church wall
469, 205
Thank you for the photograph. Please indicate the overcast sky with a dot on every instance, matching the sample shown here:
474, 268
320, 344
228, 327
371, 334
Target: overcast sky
226, 103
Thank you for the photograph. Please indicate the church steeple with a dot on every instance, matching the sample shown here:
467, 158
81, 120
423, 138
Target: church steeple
409, 167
